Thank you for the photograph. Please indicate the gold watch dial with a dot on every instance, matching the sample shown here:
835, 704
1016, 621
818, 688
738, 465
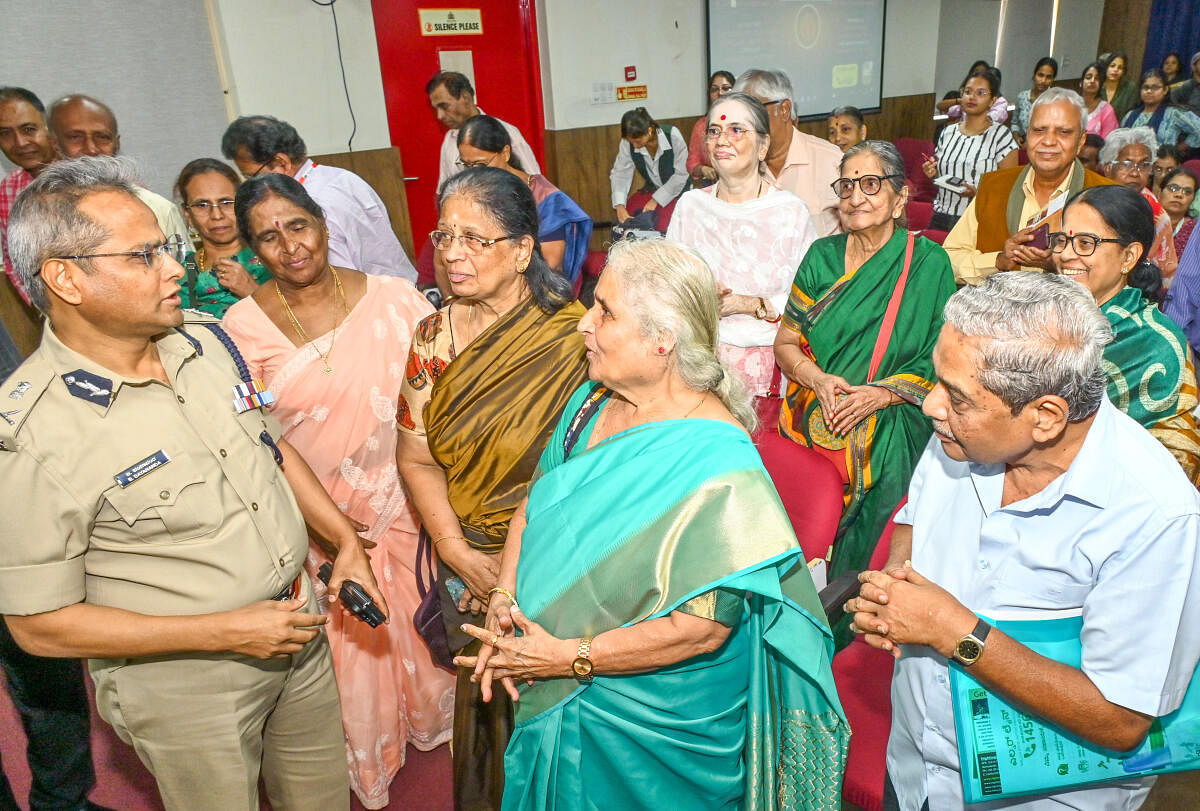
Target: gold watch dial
582, 667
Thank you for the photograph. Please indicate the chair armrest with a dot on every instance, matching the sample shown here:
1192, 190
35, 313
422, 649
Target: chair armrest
835, 595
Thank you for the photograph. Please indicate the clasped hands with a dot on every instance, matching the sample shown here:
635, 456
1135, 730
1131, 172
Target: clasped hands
902, 607
508, 657
844, 406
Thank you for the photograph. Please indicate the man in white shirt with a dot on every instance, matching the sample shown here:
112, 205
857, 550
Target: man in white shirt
360, 232
1035, 495
453, 99
83, 125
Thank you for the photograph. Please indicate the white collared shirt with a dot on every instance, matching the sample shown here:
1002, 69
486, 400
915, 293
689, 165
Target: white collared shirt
1117, 535
621, 175
448, 159
360, 232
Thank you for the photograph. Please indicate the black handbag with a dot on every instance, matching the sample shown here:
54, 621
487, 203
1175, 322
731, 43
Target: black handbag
427, 619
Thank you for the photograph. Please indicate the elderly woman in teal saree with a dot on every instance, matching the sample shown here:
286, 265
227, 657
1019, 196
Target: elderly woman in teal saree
672, 649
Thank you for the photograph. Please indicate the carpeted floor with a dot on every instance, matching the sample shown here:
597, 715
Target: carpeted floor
122, 782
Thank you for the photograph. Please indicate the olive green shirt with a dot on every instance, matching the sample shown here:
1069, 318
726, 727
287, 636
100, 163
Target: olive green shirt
92, 512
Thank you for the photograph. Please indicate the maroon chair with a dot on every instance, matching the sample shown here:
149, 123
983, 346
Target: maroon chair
1193, 164
809, 487
918, 213
914, 150
937, 236
863, 676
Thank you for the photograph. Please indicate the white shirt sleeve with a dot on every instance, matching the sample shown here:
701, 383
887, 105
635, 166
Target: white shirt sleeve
522, 151
621, 174
447, 168
668, 191
360, 232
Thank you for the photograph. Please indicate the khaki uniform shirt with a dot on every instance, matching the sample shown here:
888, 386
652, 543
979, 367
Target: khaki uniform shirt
134, 494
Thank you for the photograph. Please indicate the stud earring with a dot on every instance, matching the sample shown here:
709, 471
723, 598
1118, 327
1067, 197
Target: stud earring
662, 350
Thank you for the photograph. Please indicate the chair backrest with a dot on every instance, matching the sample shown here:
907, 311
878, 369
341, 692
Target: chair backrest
913, 151
809, 487
918, 213
1193, 164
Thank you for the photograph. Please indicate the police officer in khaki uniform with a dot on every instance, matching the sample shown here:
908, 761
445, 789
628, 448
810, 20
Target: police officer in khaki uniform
149, 518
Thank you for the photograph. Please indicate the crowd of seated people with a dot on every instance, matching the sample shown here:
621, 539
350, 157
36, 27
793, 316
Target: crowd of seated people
582, 574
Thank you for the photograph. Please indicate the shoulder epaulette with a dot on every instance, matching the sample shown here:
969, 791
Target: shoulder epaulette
18, 395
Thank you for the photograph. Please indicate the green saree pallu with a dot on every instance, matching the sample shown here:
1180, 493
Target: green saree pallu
1150, 375
659, 516
838, 313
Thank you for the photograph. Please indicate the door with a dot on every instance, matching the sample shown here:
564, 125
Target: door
507, 80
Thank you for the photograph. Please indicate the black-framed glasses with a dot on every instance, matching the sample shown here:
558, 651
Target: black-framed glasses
471, 244
1081, 244
1175, 188
462, 164
151, 255
843, 187
208, 206
258, 171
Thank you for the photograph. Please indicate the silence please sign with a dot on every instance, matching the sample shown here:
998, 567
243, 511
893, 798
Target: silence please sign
441, 22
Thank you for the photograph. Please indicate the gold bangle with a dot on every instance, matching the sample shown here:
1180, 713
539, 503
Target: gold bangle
497, 590
437, 541
796, 365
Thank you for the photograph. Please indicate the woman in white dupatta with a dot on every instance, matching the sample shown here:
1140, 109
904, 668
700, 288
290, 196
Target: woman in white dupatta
752, 235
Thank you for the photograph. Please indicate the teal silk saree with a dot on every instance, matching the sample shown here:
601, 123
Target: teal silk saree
630, 530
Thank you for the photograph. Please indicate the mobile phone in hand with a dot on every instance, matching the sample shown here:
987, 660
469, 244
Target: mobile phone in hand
1041, 237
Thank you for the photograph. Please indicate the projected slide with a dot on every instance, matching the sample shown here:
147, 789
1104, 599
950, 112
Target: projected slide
831, 49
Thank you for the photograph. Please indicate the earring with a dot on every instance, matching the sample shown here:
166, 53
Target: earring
662, 350
522, 268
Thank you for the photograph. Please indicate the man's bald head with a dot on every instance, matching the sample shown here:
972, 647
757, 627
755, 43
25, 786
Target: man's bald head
83, 125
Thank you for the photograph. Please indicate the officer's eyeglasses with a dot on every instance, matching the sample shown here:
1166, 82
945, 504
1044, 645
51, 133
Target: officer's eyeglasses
1082, 244
843, 187
152, 255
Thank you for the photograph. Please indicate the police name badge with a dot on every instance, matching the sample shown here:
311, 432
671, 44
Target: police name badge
252, 394
139, 469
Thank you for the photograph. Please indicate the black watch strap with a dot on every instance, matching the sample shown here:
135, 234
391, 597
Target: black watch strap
981, 630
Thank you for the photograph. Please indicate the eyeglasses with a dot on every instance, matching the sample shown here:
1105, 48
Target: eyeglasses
1081, 244
978, 93
1175, 188
471, 244
258, 171
843, 187
152, 256
206, 207
1151, 87
734, 132
1140, 167
462, 164
1158, 170
720, 89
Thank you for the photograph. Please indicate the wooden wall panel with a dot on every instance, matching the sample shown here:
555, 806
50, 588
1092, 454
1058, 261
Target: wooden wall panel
382, 170
578, 160
1123, 28
22, 322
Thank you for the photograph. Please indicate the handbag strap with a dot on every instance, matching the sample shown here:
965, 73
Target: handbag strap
425, 563
889, 316
591, 404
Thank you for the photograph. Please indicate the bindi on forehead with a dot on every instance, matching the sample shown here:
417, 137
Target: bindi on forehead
722, 118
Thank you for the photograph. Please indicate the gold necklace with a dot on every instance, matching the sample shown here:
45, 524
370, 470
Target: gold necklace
300, 330
703, 397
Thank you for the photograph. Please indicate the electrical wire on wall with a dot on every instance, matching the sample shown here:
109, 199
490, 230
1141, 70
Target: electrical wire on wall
337, 37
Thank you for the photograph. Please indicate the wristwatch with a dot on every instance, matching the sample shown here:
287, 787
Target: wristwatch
760, 312
582, 666
970, 647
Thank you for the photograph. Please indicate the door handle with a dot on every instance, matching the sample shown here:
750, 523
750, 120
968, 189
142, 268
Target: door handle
410, 178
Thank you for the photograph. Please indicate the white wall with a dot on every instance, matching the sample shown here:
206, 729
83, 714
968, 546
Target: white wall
280, 58
1078, 36
910, 46
584, 42
967, 32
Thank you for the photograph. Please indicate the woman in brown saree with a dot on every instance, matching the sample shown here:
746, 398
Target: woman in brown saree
486, 380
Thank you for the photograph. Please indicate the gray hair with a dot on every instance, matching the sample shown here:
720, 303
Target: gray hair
772, 85
1055, 95
889, 158
756, 114
1118, 139
1039, 334
45, 221
675, 295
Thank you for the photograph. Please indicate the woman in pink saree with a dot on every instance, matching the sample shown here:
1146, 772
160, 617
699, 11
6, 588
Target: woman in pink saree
331, 343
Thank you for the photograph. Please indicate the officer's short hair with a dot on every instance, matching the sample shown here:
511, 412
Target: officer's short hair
46, 222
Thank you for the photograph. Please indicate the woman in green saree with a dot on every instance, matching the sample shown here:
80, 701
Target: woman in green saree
1107, 231
486, 379
672, 649
857, 343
